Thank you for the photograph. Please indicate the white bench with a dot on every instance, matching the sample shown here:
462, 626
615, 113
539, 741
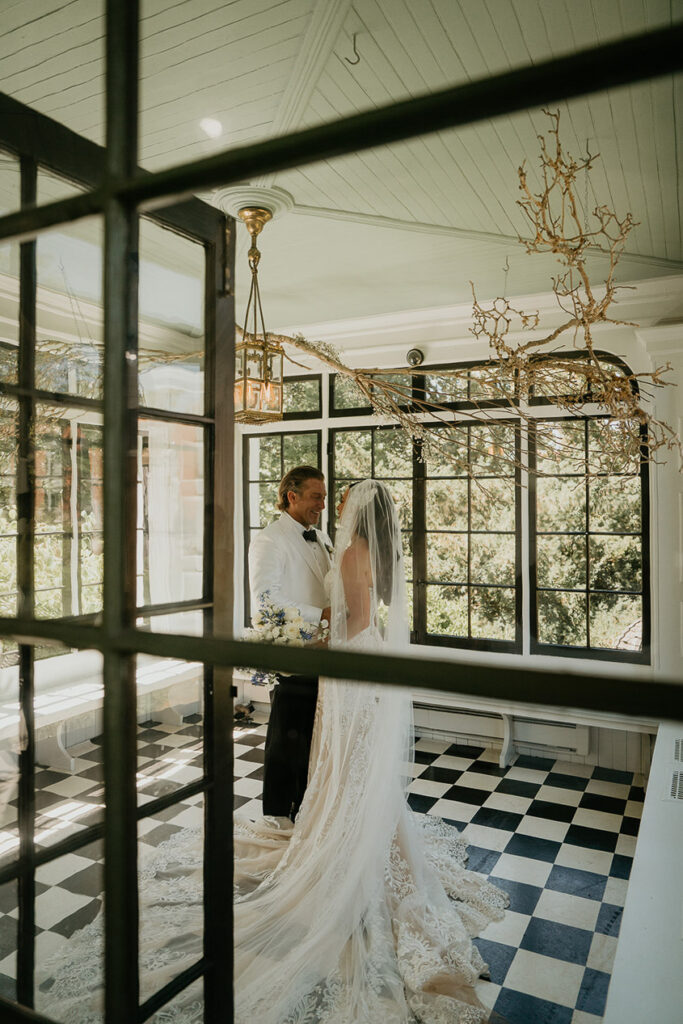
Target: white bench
68, 701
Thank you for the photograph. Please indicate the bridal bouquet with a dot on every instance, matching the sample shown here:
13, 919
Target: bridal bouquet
284, 626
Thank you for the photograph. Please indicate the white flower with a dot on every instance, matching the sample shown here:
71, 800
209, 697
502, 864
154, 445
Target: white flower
291, 631
291, 613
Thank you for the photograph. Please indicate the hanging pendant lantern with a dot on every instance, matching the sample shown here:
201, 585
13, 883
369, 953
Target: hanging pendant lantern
258, 361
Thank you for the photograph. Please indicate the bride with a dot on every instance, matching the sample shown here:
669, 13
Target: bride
360, 912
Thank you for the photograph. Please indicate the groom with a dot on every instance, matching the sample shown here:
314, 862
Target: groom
289, 560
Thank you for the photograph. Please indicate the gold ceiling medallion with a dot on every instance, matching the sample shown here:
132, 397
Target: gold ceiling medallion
258, 361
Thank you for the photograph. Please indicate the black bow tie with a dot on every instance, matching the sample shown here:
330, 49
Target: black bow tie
309, 535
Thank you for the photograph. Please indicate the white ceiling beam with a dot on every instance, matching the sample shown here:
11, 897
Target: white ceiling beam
316, 48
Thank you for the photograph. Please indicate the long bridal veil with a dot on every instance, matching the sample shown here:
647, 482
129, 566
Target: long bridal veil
359, 913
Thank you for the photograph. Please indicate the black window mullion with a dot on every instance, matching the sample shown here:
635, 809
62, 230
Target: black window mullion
419, 542
469, 523
588, 528
25, 480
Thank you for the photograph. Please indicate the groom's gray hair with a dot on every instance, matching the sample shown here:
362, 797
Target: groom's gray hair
294, 481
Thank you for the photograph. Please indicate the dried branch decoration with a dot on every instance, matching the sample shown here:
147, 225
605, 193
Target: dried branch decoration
517, 371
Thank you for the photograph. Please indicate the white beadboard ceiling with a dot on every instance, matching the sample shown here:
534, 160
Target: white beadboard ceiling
395, 228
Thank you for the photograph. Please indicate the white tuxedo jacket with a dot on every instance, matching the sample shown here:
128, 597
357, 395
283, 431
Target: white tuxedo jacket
286, 565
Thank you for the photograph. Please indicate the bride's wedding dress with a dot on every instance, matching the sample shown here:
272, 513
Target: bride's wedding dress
361, 912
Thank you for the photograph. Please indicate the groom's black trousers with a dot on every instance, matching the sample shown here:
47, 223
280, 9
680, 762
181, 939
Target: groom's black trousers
288, 744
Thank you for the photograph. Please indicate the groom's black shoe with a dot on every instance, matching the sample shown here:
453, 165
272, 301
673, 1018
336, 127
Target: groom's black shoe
288, 744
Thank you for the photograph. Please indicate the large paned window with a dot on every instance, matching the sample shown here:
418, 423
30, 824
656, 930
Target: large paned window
267, 457
589, 541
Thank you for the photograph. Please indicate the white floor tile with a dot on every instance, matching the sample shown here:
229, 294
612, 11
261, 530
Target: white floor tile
626, 846
543, 828
527, 774
634, 809
190, 817
56, 903
425, 787
523, 869
559, 795
47, 943
454, 809
456, 764
485, 837
613, 789
248, 787
428, 746
581, 859
57, 870
253, 809
71, 786
510, 930
477, 780
568, 909
487, 992
242, 768
580, 771
545, 977
509, 802
8, 966
579, 1017
597, 819
615, 891
602, 952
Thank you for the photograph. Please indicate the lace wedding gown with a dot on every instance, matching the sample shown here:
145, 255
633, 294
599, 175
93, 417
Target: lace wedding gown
361, 912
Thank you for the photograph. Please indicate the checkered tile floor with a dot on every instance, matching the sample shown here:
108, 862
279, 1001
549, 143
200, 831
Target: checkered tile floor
558, 837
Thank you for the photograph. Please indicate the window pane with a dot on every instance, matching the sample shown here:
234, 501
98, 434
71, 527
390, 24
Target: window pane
393, 453
69, 313
492, 449
402, 493
494, 505
8, 520
560, 446
560, 503
447, 611
299, 450
493, 613
447, 557
613, 446
561, 562
616, 622
171, 320
302, 396
447, 452
265, 457
443, 388
446, 504
353, 454
400, 386
615, 504
615, 563
492, 558
407, 541
346, 394
263, 503
489, 384
562, 618
10, 193
172, 486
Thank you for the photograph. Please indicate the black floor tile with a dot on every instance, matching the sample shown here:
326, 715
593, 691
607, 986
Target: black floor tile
481, 860
491, 816
593, 992
531, 846
193, 719
258, 774
621, 866
517, 788
466, 795
8, 935
591, 838
460, 825
637, 793
250, 739
611, 775
588, 884
256, 755
488, 768
159, 834
435, 774
630, 826
96, 773
78, 920
424, 757
498, 956
9, 898
543, 764
239, 801
609, 919
608, 804
8, 988
550, 810
561, 941
88, 882
47, 777
464, 750
523, 897
517, 1008
421, 804
566, 781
